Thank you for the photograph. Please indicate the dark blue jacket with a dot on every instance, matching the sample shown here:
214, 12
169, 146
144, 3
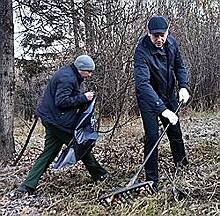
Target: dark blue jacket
155, 73
62, 99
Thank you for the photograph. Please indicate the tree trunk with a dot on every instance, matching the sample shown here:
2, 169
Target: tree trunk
75, 27
89, 30
7, 147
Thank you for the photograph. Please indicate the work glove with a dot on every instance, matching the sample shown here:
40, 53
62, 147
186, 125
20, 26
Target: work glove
172, 117
183, 95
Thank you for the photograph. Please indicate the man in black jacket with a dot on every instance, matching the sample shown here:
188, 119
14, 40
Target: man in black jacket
58, 109
157, 67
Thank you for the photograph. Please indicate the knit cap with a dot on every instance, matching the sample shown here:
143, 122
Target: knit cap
84, 63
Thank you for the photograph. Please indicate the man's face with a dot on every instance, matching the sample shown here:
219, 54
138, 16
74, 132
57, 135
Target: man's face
158, 39
86, 74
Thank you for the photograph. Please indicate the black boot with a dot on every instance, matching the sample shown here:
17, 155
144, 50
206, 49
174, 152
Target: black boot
23, 189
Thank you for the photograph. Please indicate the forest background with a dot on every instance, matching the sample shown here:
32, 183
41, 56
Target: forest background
52, 33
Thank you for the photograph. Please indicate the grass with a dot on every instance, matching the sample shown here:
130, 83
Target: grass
70, 191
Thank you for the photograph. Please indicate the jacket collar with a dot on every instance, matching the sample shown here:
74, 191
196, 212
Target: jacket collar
153, 49
76, 72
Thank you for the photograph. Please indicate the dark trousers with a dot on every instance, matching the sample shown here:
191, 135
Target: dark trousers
151, 127
54, 141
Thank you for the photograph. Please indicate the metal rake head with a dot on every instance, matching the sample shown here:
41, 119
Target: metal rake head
126, 194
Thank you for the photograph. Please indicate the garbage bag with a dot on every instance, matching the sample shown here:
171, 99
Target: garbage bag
84, 138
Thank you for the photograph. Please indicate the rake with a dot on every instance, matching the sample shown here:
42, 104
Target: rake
125, 194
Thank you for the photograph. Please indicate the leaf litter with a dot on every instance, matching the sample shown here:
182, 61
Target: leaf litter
70, 191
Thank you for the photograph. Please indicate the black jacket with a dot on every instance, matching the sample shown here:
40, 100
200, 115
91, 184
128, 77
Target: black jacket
62, 99
156, 70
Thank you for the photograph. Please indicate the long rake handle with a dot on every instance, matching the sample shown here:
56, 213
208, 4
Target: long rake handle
134, 178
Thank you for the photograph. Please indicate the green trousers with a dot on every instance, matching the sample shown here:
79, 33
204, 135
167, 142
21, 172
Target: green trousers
54, 141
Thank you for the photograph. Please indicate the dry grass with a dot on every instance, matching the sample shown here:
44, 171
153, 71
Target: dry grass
70, 191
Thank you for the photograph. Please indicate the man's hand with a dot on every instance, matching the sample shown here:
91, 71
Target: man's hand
183, 95
172, 117
89, 95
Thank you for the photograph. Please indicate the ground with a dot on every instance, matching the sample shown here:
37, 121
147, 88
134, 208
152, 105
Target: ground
70, 191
